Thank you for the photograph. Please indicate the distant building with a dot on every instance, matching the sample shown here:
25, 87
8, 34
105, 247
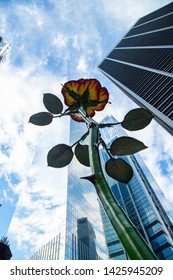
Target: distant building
49, 251
86, 239
140, 201
141, 64
81, 235
84, 246
3, 48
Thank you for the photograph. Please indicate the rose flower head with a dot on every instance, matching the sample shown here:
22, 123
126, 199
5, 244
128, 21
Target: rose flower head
86, 94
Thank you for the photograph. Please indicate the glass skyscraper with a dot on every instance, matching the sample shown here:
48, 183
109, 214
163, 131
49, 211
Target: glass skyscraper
141, 64
86, 232
139, 200
81, 235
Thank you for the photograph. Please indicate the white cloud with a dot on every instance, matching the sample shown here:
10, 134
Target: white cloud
25, 157
123, 14
60, 40
82, 66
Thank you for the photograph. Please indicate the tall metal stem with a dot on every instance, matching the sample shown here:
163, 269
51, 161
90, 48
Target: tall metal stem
134, 244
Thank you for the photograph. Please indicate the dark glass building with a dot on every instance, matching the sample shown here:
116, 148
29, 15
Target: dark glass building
139, 199
141, 64
86, 239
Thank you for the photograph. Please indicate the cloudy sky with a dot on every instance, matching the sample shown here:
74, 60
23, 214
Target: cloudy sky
53, 41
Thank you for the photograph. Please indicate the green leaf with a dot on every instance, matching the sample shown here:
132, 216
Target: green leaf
125, 146
82, 154
42, 118
59, 156
52, 103
137, 119
119, 170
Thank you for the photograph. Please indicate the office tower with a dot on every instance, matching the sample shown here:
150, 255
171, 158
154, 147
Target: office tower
83, 244
86, 238
141, 64
82, 235
140, 201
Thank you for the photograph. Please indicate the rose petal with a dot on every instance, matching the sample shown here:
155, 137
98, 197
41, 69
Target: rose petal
80, 80
93, 87
99, 107
103, 97
73, 86
77, 118
90, 112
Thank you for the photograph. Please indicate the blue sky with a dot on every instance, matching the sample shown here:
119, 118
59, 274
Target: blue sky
53, 42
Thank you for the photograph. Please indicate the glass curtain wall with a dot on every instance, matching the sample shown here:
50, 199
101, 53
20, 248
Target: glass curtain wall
139, 200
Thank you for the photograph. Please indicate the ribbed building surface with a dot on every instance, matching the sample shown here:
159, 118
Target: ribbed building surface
141, 64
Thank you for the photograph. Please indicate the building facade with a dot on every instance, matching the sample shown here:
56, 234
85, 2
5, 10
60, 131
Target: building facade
141, 64
139, 199
81, 235
85, 236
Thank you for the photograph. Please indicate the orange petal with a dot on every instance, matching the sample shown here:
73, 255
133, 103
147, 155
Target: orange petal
90, 112
94, 89
68, 100
72, 85
100, 107
76, 118
103, 97
80, 80
93, 86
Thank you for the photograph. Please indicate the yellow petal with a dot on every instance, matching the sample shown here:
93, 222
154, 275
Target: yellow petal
90, 112
76, 118
103, 98
73, 86
93, 87
103, 95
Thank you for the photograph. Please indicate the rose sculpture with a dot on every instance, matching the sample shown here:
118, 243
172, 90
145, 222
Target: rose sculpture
83, 98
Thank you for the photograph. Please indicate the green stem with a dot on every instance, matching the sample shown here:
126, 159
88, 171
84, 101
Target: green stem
86, 118
134, 244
